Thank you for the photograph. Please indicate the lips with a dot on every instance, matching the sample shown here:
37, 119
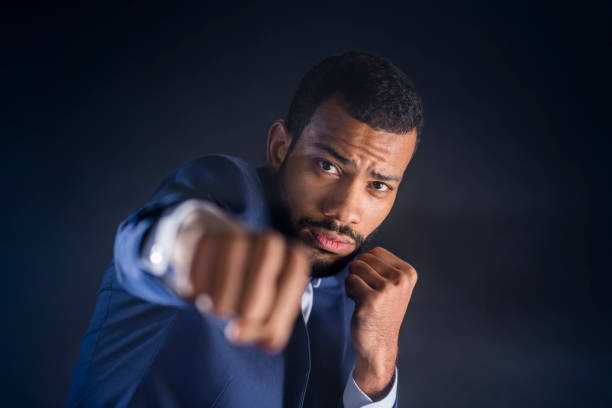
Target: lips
330, 242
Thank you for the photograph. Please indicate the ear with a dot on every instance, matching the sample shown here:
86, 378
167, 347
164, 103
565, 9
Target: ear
279, 140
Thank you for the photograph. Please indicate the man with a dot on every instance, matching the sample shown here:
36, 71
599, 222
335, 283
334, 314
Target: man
236, 286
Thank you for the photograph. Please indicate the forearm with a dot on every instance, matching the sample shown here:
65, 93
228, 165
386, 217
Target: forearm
153, 252
131, 274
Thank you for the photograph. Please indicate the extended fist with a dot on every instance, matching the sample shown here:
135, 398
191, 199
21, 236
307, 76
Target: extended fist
381, 285
254, 278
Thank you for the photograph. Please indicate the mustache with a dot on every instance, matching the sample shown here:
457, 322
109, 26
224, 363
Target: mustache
333, 226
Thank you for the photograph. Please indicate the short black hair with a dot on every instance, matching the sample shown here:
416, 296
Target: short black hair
369, 87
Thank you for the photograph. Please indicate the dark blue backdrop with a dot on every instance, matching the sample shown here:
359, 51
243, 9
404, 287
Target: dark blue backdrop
501, 211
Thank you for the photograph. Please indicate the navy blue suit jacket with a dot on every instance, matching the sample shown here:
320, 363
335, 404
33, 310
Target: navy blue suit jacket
147, 347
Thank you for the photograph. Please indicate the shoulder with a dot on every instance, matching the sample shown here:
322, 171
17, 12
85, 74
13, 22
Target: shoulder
231, 182
216, 167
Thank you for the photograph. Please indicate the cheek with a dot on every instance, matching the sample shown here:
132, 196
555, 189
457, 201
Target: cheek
304, 190
376, 212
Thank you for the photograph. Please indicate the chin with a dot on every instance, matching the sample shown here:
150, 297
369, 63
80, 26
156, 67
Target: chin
324, 265
317, 255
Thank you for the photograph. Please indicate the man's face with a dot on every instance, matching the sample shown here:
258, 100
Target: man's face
340, 181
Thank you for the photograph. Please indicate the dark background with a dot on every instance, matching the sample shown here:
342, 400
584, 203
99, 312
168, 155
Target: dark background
501, 212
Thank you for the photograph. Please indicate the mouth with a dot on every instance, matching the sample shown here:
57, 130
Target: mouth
329, 242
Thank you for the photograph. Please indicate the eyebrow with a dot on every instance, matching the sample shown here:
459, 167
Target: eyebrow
385, 177
349, 162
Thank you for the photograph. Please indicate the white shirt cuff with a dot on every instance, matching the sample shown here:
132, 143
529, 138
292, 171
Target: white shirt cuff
353, 397
157, 248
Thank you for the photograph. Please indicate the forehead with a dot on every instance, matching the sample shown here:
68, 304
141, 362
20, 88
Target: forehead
332, 125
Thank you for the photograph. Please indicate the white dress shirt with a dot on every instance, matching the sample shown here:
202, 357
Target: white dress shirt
156, 256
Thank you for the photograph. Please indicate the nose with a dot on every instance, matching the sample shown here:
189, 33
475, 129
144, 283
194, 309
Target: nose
344, 202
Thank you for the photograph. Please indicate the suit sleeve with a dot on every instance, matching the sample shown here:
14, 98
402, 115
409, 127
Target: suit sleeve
221, 180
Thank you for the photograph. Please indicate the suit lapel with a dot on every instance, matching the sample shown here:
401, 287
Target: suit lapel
297, 365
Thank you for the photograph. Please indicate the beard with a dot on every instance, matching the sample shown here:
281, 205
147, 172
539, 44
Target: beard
323, 263
323, 269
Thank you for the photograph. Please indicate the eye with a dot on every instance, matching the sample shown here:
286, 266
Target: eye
327, 167
380, 186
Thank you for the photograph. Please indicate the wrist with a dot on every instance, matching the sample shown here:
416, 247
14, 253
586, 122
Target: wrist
374, 374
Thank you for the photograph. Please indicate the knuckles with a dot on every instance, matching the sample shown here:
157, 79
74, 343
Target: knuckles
396, 269
272, 240
249, 258
237, 243
413, 276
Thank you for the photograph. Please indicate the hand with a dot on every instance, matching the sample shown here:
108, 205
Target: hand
381, 284
254, 278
